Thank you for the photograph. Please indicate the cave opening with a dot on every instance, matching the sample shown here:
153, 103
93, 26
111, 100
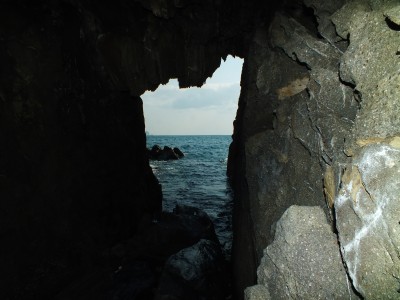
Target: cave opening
316, 133
197, 121
196, 124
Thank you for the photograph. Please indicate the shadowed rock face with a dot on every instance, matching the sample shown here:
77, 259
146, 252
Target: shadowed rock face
74, 173
74, 177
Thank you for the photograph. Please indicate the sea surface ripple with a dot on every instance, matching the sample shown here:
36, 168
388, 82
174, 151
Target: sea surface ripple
198, 179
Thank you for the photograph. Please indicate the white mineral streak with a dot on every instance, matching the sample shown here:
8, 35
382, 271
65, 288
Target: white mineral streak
369, 166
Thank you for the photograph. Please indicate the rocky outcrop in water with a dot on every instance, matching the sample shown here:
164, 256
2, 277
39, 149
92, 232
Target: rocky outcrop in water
166, 153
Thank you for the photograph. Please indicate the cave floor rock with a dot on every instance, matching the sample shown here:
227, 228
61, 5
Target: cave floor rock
174, 256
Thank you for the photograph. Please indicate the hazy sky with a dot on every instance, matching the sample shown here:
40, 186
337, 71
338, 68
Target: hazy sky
210, 109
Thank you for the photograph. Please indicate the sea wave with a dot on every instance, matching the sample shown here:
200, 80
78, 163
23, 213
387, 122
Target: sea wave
198, 179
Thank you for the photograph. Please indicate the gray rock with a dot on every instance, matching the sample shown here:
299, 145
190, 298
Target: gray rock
371, 64
331, 93
257, 292
322, 11
367, 214
304, 260
301, 46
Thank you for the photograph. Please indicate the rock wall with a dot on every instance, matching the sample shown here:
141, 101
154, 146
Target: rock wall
318, 124
74, 177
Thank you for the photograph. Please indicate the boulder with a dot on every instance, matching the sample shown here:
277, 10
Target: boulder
161, 236
196, 272
367, 219
136, 265
257, 292
154, 152
178, 152
303, 262
167, 153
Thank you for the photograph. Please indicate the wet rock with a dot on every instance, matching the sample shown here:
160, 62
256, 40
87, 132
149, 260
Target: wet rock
167, 153
196, 272
178, 152
303, 262
367, 213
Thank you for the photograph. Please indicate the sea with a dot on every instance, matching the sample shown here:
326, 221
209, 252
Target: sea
198, 179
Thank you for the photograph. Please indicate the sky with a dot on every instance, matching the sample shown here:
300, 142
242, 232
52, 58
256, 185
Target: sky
208, 110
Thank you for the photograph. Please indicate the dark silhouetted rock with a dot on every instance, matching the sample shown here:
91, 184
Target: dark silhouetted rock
167, 153
178, 152
156, 149
173, 231
136, 264
196, 272
134, 281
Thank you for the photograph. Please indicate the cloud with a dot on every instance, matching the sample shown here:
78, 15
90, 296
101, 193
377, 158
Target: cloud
219, 86
210, 109
210, 95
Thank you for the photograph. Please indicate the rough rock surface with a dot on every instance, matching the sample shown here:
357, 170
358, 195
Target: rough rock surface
367, 206
320, 81
371, 67
257, 292
303, 261
368, 221
196, 272
293, 118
